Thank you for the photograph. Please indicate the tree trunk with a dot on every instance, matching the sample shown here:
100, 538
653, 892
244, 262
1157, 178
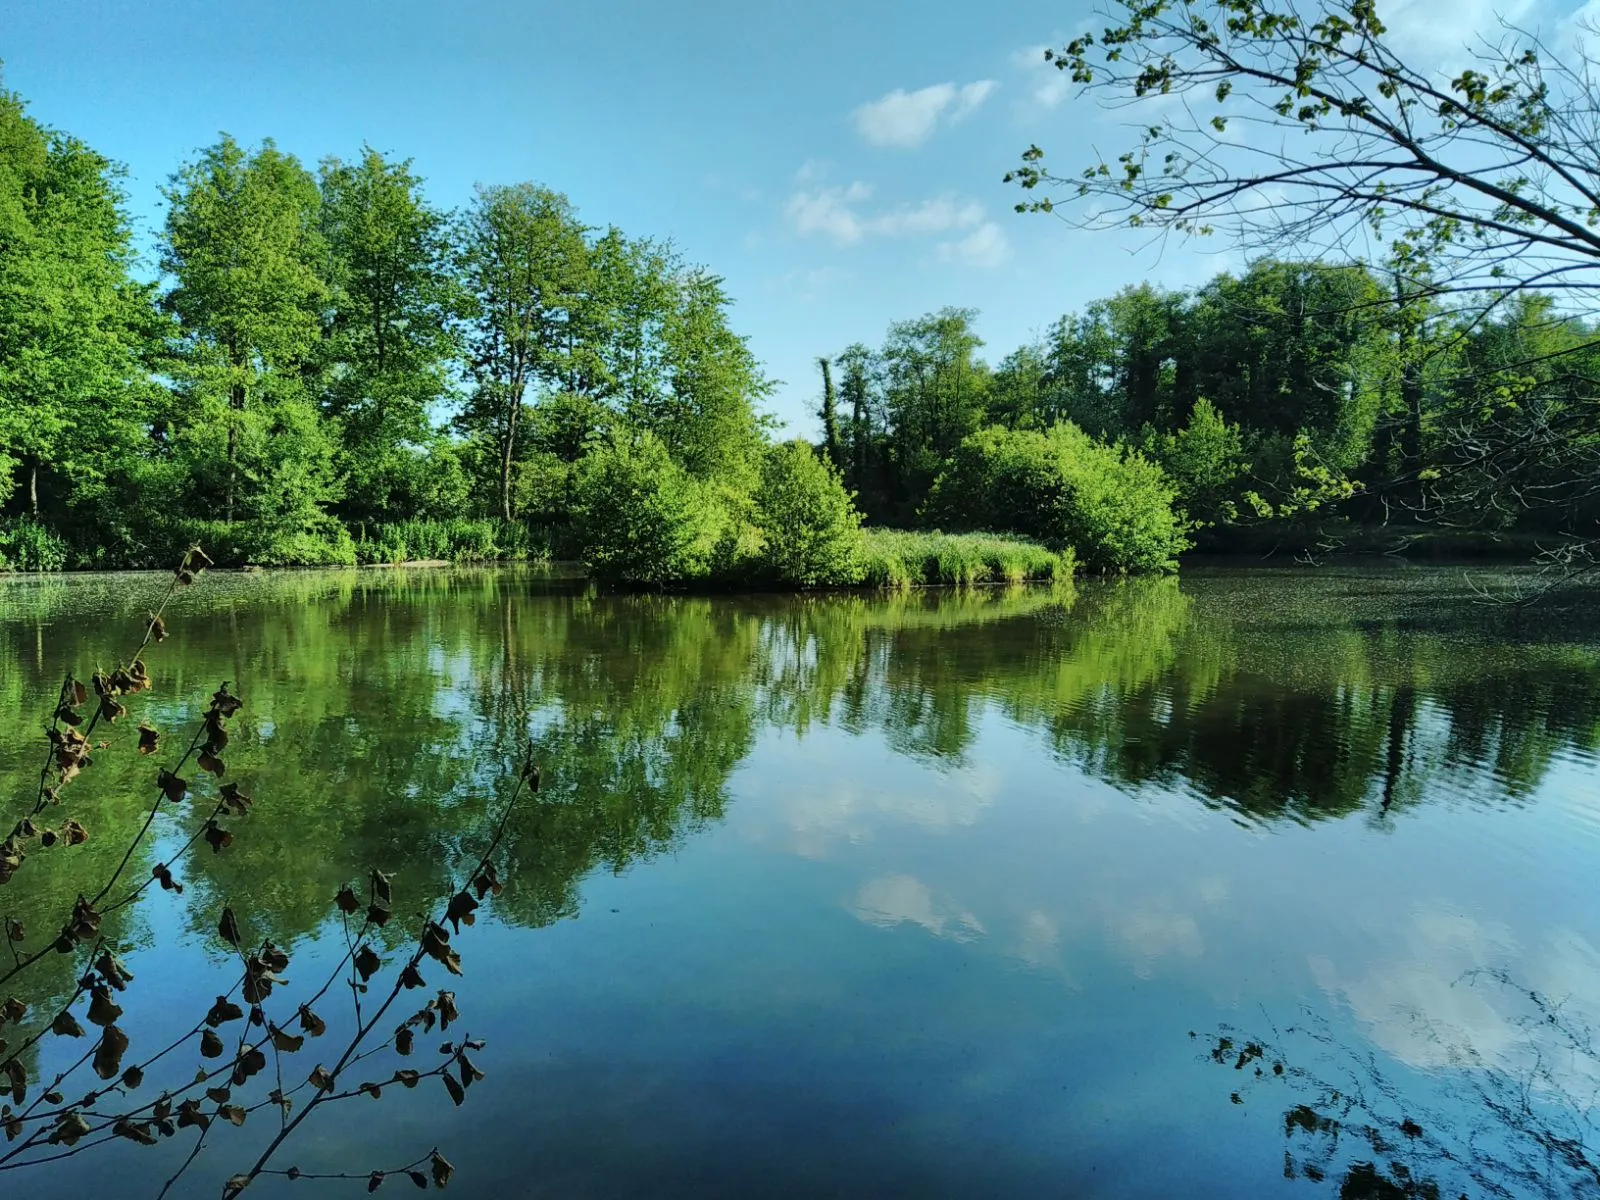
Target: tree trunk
236, 405
830, 422
236, 402
508, 446
33, 488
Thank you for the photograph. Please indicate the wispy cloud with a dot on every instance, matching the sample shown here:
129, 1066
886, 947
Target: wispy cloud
908, 119
830, 211
1044, 84
837, 213
985, 246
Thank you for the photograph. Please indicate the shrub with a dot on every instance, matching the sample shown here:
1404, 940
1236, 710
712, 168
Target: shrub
640, 518
810, 528
321, 542
1111, 504
893, 558
26, 545
1205, 460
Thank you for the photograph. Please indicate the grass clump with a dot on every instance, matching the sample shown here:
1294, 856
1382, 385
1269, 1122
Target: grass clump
897, 558
458, 539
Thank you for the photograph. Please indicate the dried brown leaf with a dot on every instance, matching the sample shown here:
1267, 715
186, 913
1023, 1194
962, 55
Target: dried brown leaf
134, 1132
223, 1011
112, 970
218, 838
442, 1170
103, 1010
460, 910
108, 1054
311, 1023
367, 963
447, 1009
171, 785
236, 800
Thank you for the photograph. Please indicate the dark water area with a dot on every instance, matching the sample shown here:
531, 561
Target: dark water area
1254, 883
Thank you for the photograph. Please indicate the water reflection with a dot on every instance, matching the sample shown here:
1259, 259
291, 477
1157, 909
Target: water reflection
887, 741
378, 702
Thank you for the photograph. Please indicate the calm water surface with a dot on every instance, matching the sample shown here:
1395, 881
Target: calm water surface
941, 895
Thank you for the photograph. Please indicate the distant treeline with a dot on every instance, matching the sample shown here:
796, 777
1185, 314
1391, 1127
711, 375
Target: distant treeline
329, 369
1262, 397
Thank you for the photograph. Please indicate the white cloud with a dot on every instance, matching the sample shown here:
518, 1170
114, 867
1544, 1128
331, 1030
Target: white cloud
908, 119
836, 212
813, 170
1047, 85
939, 215
985, 246
828, 211
971, 97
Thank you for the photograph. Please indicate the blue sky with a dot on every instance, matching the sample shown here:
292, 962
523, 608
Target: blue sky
839, 163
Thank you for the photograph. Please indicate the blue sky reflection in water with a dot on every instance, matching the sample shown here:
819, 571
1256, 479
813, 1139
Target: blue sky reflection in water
921, 896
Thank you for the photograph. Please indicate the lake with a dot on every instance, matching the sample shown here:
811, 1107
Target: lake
1144, 889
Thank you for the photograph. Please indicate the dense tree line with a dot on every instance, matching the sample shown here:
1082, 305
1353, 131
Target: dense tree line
330, 368
1249, 405
325, 351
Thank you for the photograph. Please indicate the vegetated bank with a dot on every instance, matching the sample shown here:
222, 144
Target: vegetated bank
334, 370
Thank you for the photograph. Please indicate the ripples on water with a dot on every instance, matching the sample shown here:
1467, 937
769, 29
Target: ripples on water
921, 895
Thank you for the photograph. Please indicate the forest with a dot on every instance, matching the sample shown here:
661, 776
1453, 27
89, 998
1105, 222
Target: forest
322, 367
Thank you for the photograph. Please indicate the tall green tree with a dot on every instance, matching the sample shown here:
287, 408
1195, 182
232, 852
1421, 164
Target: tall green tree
706, 415
935, 394
249, 267
637, 287
74, 327
389, 344
524, 263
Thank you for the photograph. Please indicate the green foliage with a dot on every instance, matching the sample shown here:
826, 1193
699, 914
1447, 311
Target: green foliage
895, 558
74, 327
640, 518
810, 528
1111, 504
26, 545
250, 267
524, 270
1205, 460
389, 341
323, 542
459, 539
